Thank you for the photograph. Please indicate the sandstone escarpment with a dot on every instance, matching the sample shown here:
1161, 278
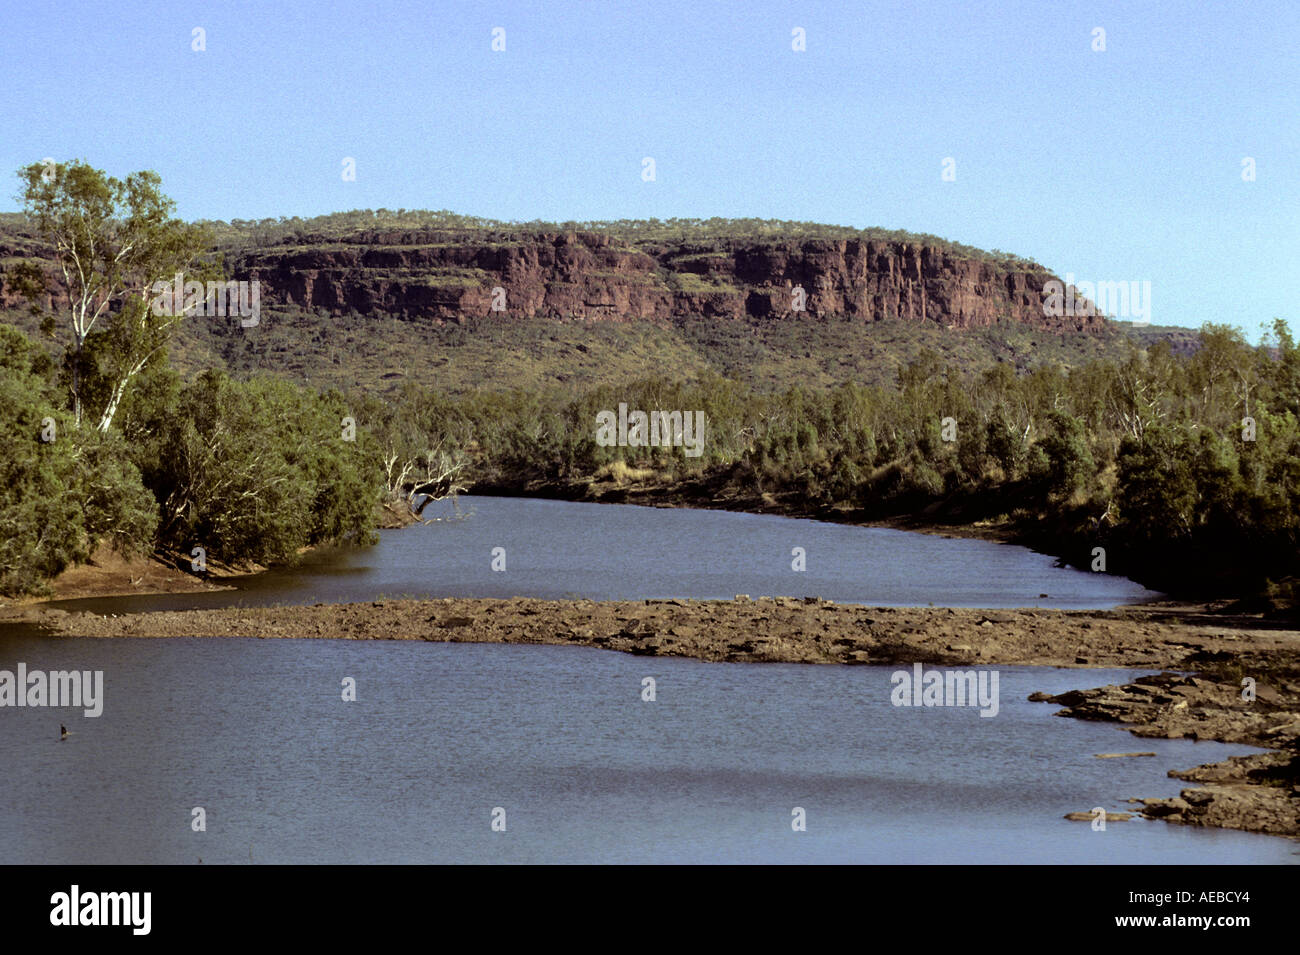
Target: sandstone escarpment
452, 275
446, 277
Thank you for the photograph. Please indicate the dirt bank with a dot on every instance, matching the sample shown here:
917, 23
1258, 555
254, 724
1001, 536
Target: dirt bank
110, 574
708, 493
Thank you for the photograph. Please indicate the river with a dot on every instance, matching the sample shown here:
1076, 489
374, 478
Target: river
562, 549
557, 743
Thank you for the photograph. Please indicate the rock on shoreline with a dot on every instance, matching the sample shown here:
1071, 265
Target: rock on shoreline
781, 629
1256, 793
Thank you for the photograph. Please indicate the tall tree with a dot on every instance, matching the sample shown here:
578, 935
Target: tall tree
112, 241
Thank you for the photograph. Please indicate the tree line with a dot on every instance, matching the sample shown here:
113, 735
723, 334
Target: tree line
1183, 469
104, 444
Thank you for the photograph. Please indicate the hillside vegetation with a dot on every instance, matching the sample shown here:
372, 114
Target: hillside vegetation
239, 233
381, 354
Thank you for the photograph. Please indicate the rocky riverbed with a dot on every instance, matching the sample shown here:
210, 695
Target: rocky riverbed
1236, 679
1257, 793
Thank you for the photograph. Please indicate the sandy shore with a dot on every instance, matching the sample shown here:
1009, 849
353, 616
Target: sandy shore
1258, 793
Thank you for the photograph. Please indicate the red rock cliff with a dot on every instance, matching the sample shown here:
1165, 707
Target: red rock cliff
588, 275
446, 276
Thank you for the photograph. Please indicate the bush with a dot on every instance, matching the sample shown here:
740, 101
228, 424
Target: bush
255, 471
41, 529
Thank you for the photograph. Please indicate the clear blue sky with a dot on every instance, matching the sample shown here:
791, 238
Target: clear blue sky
1119, 165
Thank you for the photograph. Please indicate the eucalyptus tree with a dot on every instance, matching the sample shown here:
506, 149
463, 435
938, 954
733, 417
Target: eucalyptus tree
111, 240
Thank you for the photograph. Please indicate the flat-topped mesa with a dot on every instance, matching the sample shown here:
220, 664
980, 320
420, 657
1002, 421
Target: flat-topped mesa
450, 276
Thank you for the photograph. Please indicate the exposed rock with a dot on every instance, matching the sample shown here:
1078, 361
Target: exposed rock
1232, 806
1256, 793
446, 276
1163, 808
589, 275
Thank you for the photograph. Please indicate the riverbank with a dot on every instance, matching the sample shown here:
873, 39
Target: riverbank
110, 574
614, 487
781, 629
1255, 793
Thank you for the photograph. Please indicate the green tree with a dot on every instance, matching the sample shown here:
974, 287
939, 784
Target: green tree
1069, 459
41, 529
112, 240
256, 471
1156, 491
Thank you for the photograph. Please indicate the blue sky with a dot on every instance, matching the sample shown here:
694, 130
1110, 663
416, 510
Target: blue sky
1115, 165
